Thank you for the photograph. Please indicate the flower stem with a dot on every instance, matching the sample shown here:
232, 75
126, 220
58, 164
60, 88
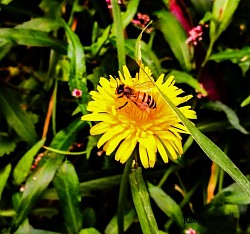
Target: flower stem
142, 202
123, 195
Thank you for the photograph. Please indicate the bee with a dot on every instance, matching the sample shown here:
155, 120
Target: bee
138, 95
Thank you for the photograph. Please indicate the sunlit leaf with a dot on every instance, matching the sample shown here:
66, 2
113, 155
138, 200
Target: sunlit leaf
4, 175
245, 102
89, 231
23, 167
68, 189
17, 118
183, 77
8, 144
31, 37
176, 36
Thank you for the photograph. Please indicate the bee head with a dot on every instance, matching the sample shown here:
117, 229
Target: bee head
120, 89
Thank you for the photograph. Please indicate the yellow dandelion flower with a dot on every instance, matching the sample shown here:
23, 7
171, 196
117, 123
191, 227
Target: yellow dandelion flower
126, 122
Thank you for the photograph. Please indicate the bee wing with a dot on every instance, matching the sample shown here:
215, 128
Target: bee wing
144, 86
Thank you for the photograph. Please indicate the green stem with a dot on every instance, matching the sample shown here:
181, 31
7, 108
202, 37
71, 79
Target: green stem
119, 34
122, 200
142, 202
209, 52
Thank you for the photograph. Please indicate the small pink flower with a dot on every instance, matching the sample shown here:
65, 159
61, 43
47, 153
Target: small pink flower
110, 5
77, 93
142, 20
190, 231
195, 34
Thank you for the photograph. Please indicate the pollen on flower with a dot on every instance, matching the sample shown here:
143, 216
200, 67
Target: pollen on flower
138, 116
77, 93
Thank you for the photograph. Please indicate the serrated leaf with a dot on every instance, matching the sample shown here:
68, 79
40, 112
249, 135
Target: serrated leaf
23, 167
176, 37
39, 180
31, 37
4, 175
142, 202
17, 118
68, 189
8, 144
231, 115
166, 204
183, 77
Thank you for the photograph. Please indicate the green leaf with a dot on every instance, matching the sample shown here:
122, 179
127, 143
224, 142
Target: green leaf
232, 194
231, 115
131, 10
31, 37
39, 180
8, 144
210, 149
118, 27
142, 202
176, 37
68, 189
4, 175
17, 118
77, 66
245, 102
5, 48
92, 142
166, 204
183, 77
222, 12
23, 167
89, 231
129, 217
40, 24
236, 56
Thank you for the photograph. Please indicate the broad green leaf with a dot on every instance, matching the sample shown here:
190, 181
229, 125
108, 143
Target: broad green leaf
176, 37
236, 56
4, 175
245, 102
232, 194
5, 48
142, 202
210, 149
8, 144
23, 167
89, 231
231, 115
40, 24
166, 204
17, 118
183, 77
129, 218
222, 12
68, 189
118, 27
77, 66
31, 37
41, 177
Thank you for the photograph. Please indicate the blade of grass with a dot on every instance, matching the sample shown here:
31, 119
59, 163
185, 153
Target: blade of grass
119, 34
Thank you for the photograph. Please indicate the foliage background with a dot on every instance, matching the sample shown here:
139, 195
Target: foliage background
49, 48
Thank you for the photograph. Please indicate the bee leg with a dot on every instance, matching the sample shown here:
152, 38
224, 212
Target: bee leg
122, 106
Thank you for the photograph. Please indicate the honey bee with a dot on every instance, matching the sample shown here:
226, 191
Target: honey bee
138, 95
